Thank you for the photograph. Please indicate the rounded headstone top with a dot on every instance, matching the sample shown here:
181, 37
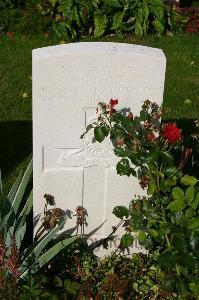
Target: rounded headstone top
93, 48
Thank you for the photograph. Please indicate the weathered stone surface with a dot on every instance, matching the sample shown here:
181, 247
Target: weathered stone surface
68, 82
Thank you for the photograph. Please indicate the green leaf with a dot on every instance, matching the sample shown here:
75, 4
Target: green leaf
138, 29
152, 157
20, 233
179, 200
123, 168
157, 9
177, 205
99, 134
17, 198
189, 194
120, 152
139, 15
117, 20
195, 203
158, 26
48, 255
25, 212
188, 180
126, 240
153, 233
188, 260
142, 237
71, 287
100, 22
194, 287
179, 242
22, 187
105, 130
190, 212
61, 29
10, 198
39, 246
151, 188
193, 223
167, 157
169, 182
170, 171
178, 194
113, 3
145, 9
121, 212
167, 261
57, 282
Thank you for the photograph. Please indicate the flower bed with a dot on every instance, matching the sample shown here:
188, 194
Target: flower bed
165, 222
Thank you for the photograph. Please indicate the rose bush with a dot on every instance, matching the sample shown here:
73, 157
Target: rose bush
165, 221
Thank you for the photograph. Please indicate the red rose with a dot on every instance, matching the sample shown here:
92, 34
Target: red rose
171, 133
113, 102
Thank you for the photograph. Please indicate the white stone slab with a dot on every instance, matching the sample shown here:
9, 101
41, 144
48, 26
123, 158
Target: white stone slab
68, 82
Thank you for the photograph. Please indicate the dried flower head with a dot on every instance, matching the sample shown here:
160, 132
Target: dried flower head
146, 104
50, 199
130, 116
120, 142
52, 217
151, 137
144, 182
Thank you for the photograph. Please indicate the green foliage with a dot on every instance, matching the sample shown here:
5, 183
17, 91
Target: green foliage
75, 18
80, 18
14, 210
121, 212
166, 222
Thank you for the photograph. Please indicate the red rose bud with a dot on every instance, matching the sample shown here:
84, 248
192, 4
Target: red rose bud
113, 102
130, 116
171, 133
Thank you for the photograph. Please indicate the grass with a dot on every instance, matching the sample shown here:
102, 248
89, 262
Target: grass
182, 82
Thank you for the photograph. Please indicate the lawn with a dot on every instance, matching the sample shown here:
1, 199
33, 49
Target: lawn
182, 83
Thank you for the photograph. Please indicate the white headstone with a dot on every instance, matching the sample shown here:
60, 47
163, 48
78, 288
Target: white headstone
68, 82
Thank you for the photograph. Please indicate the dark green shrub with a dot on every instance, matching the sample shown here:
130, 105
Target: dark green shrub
166, 220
